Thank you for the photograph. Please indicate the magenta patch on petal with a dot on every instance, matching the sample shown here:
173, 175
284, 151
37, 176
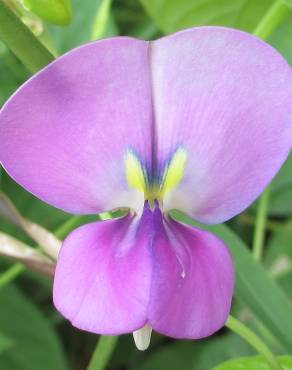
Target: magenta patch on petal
115, 276
103, 273
192, 281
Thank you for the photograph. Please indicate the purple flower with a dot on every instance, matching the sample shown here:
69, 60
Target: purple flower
198, 121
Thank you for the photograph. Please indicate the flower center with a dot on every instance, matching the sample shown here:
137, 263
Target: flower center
138, 178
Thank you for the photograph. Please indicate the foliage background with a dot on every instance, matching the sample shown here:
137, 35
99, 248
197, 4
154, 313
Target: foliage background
33, 336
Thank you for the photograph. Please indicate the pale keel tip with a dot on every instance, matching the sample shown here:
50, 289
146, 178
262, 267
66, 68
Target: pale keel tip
142, 337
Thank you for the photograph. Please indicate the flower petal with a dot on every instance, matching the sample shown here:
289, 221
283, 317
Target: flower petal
103, 275
64, 133
224, 97
117, 276
192, 281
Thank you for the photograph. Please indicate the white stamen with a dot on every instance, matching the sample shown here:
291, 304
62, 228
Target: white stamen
142, 337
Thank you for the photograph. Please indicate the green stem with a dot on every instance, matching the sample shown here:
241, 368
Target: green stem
21, 41
102, 352
11, 273
250, 337
68, 226
275, 14
101, 20
247, 219
260, 225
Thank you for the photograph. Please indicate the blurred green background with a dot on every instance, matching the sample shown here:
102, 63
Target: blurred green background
33, 336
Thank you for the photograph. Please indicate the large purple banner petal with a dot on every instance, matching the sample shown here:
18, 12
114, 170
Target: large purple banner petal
225, 97
65, 132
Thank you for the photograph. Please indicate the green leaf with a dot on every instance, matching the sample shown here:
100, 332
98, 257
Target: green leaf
192, 355
55, 11
21, 41
101, 20
254, 286
281, 38
35, 344
288, 3
280, 203
281, 190
5, 343
279, 245
278, 256
12, 73
82, 27
171, 16
254, 363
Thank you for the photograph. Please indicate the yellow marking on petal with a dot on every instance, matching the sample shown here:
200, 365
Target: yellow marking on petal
174, 172
137, 177
134, 172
